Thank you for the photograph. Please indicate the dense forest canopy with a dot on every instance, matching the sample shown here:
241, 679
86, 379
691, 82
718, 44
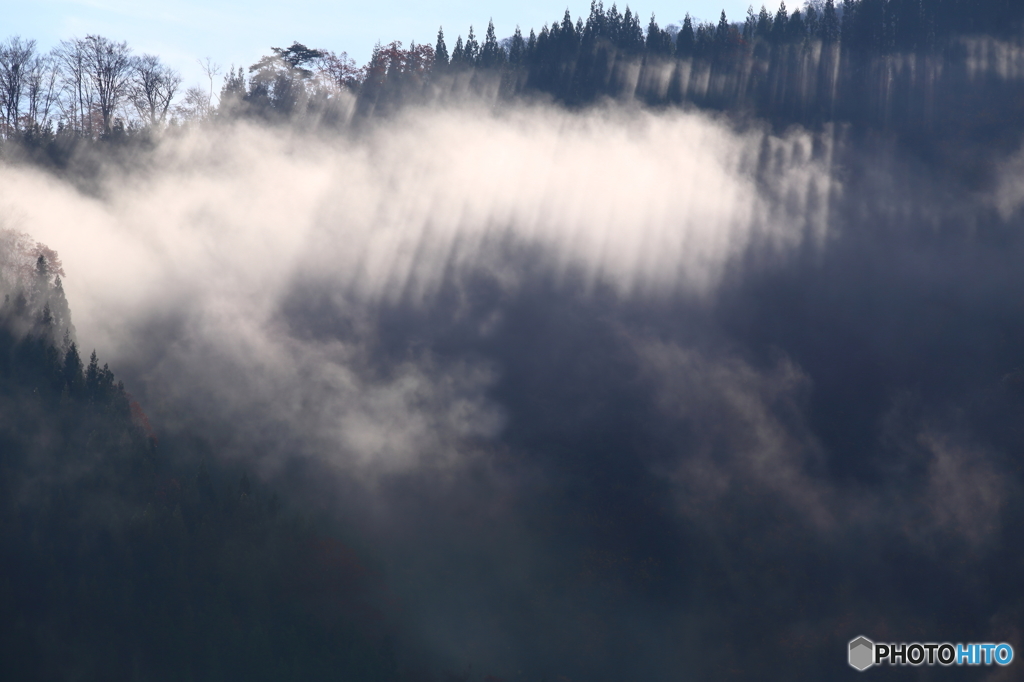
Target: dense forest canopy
602, 351
877, 61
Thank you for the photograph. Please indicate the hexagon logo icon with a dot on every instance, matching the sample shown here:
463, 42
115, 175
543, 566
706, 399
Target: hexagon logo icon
862, 653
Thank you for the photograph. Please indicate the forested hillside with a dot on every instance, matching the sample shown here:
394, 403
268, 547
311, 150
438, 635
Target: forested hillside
598, 350
120, 564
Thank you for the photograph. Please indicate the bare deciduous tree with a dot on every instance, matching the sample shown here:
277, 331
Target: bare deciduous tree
338, 69
153, 88
15, 55
110, 66
41, 89
196, 105
211, 70
76, 100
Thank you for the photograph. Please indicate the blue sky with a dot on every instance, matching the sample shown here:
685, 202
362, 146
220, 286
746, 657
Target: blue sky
237, 32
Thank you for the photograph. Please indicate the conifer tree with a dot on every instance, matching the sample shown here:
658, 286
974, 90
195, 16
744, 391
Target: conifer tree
631, 37
491, 54
659, 42
517, 48
722, 32
812, 22
41, 282
846, 29
685, 40
780, 25
796, 31
471, 50
72, 367
459, 53
46, 321
764, 24
829, 23
750, 25
595, 26
440, 50
92, 376
652, 30
567, 28
61, 311
613, 24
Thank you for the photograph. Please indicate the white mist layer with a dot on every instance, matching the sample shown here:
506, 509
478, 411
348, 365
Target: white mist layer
218, 224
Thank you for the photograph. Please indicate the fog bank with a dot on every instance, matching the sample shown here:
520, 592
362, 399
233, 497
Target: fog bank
610, 394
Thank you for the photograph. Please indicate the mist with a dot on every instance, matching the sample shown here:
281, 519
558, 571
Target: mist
609, 394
